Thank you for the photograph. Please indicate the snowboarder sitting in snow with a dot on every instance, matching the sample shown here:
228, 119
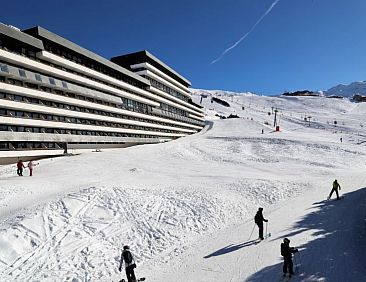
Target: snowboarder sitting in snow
130, 264
20, 167
335, 189
258, 219
286, 252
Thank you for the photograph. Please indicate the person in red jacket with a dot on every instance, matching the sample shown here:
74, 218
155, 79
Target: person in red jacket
20, 167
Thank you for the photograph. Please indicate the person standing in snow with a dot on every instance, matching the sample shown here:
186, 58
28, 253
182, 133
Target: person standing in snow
335, 189
286, 252
130, 264
259, 219
20, 167
31, 165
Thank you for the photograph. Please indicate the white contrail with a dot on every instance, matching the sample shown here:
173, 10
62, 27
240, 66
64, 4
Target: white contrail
249, 32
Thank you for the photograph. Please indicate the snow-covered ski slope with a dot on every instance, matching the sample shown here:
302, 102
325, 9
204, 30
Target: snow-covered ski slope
186, 207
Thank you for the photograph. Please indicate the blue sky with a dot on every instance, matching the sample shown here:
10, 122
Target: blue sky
300, 44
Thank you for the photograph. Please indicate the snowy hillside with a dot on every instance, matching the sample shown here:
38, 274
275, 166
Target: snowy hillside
354, 88
186, 207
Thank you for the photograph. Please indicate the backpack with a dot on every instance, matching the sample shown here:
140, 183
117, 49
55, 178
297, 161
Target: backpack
257, 219
127, 256
283, 252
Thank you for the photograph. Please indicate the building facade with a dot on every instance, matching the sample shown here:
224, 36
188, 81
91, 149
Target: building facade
58, 97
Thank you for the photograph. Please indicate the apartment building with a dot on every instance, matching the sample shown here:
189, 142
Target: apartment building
57, 97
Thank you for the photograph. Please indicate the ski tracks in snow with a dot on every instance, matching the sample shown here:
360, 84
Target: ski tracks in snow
80, 236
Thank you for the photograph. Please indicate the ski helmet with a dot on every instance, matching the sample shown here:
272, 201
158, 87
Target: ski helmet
286, 240
126, 247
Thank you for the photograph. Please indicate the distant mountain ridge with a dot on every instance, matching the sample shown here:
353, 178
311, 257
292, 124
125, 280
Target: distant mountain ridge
340, 90
349, 90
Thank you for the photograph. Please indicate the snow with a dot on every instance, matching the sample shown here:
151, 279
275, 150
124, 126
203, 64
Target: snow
186, 207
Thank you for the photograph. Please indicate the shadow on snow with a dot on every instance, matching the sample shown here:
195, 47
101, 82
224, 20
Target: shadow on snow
337, 251
231, 248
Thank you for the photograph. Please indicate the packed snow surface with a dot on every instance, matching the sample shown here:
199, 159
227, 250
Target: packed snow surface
186, 207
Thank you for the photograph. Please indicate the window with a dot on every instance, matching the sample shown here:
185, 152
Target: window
38, 77
64, 84
22, 73
4, 68
31, 85
19, 114
52, 81
37, 145
32, 54
18, 98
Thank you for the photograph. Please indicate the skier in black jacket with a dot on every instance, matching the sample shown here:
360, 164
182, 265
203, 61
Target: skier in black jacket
286, 252
130, 264
258, 219
335, 189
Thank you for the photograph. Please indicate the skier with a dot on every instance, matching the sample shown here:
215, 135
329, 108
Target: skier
258, 219
129, 264
286, 252
335, 189
20, 167
31, 165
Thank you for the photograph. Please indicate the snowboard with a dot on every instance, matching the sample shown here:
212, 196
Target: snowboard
334, 199
138, 280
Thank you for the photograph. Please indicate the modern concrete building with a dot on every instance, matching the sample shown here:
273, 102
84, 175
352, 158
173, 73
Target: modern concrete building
58, 97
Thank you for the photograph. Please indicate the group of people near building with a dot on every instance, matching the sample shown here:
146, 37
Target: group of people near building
21, 166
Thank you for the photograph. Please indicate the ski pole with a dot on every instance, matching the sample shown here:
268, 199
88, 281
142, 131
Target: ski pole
251, 232
296, 264
299, 257
266, 230
268, 234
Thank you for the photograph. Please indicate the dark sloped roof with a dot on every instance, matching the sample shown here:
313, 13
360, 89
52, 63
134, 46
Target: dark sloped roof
21, 36
41, 32
145, 56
